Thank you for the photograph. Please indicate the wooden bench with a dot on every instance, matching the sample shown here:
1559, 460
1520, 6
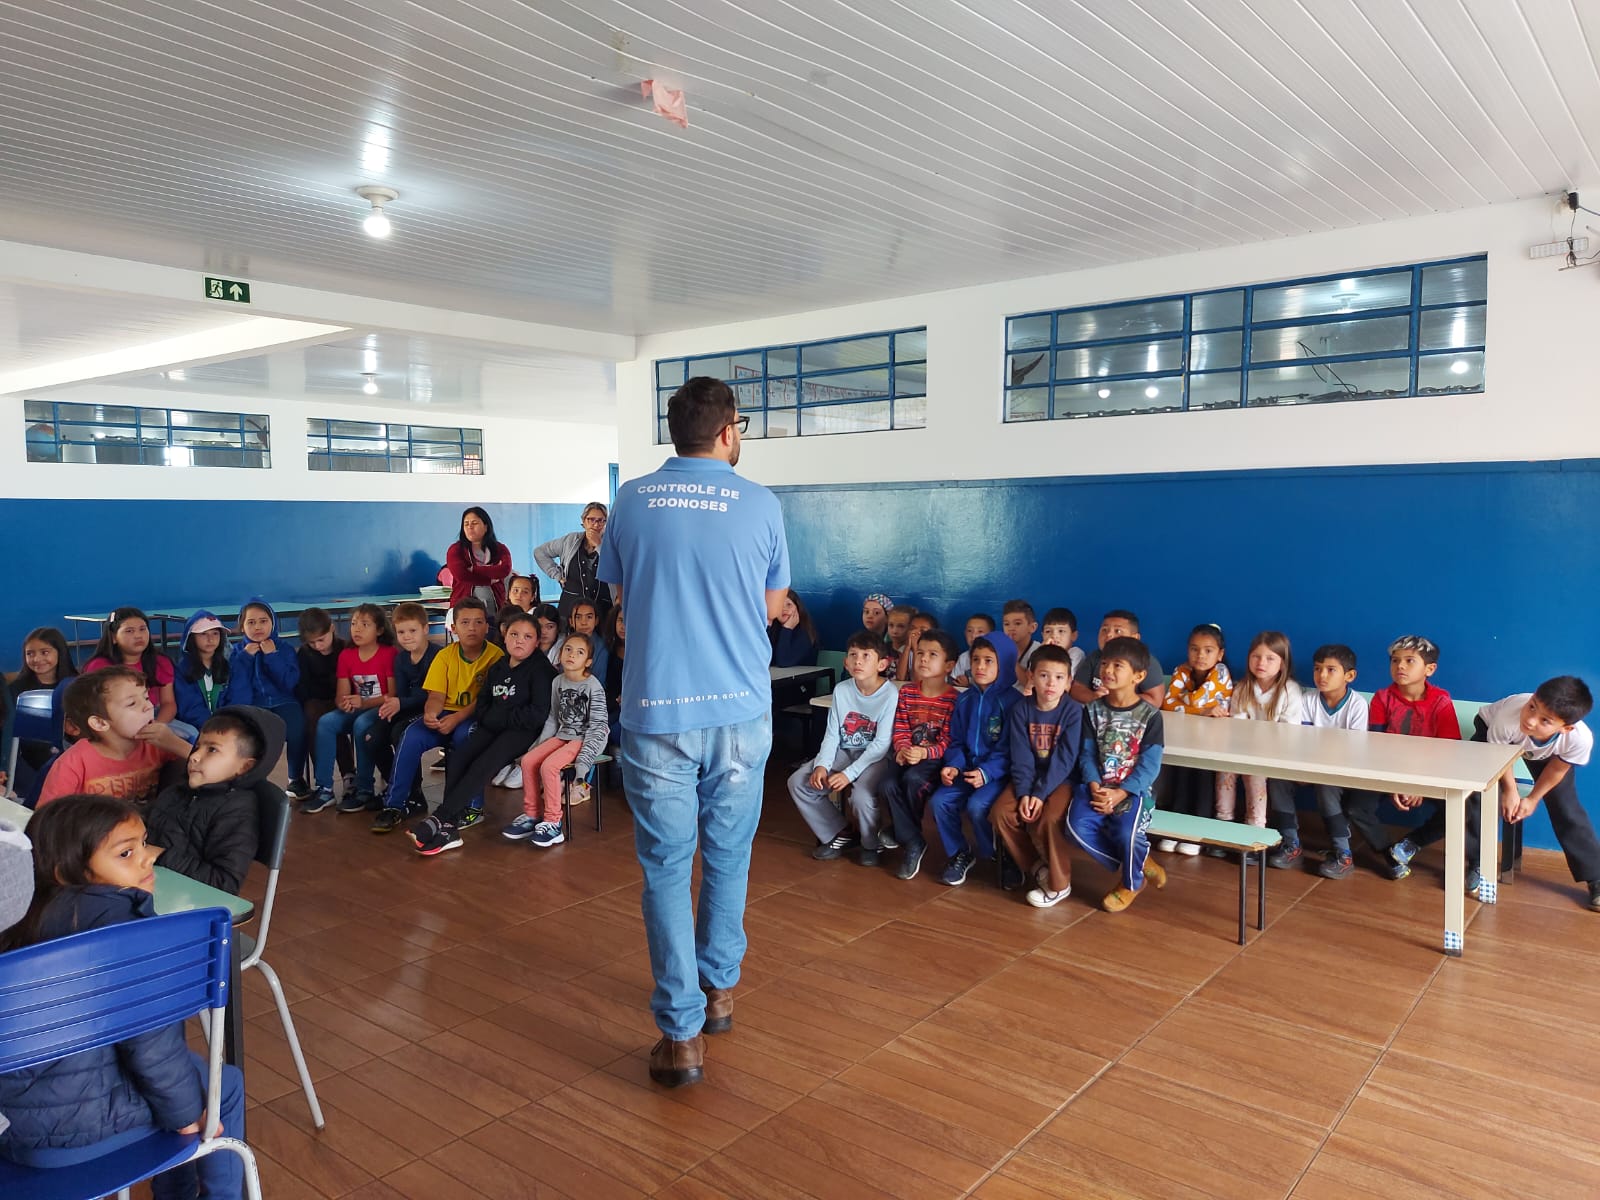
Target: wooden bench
1227, 835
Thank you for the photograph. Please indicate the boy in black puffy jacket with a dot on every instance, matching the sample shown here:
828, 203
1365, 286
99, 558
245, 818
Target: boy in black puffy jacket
208, 825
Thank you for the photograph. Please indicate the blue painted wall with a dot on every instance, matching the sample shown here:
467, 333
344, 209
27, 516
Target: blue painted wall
89, 556
1495, 562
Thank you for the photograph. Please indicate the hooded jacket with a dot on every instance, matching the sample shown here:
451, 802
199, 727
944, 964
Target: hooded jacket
95, 1094
211, 833
516, 697
978, 735
189, 693
265, 680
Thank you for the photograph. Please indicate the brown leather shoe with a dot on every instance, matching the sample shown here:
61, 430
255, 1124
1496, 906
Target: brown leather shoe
675, 1064
719, 1010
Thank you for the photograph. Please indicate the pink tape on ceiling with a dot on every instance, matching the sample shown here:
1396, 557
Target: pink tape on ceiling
668, 102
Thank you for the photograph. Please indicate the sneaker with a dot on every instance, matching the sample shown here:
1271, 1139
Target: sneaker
1402, 852
1395, 871
390, 819
1010, 877
513, 776
349, 784
886, 839
547, 834
867, 858
1043, 897
499, 779
1215, 852
911, 860
1473, 880
1189, 848
298, 788
955, 871
1336, 865
355, 802
425, 830
1167, 845
1285, 857
1594, 897
441, 762
473, 816
521, 829
835, 848
446, 837
377, 801
317, 800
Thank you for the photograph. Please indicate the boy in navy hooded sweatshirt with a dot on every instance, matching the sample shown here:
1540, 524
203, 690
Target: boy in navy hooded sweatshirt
979, 759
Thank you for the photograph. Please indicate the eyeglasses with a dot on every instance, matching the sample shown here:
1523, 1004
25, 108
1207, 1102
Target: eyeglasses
743, 422
594, 520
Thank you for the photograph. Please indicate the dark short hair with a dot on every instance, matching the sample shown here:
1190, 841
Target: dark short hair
984, 617
1047, 653
1012, 607
506, 613
984, 643
1566, 696
933, 621
1129, 650
86, 695
910, 610
1339, 652
1061, 616
1416, 644
941, 639
699, 411
865, 639
471, 602
1211, 630
1122, 614
251, 742
315, 622
517, 616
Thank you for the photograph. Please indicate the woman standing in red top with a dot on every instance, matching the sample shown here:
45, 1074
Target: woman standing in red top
478, 563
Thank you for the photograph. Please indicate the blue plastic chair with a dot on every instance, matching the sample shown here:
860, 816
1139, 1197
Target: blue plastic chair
102, 987
39, 717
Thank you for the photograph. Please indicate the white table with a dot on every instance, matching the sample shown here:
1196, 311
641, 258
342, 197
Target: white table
1447, 771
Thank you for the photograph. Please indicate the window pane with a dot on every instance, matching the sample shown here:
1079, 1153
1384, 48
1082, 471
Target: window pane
1129, 358
911, 380
669, 373
782, 422
37, 410
784, 360
1120, 321
203, 437
1210, 351
1443, 373
911, 412
1220, 390
850, 385
153, 416
316, 427
846, 418
432, 433
1371, 336
911, 345
1327, 297
1446, 328
662, 396
663, 438
1217, 310
1455, 282
782, 392
726, 366
747, 395
1316, 384
1031, 367
1120, 396
1027, 333
359, 429
858, 352
1028, 404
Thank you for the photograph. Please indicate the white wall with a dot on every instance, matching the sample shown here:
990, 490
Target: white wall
1539, 402
525, 461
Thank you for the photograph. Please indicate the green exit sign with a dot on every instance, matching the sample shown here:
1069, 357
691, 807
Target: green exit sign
227, 289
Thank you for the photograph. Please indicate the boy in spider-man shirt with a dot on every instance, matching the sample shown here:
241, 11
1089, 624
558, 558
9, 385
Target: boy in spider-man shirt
921, 736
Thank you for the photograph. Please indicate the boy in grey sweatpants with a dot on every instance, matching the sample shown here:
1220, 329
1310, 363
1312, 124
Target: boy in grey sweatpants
854, 751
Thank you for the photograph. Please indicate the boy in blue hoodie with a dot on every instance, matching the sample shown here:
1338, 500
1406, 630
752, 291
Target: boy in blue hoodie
1030, 814
265, 673
976, 765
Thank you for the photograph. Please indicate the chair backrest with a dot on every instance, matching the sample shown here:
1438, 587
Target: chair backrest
36, 788
41, 715
833, 660
108, 985
272, 824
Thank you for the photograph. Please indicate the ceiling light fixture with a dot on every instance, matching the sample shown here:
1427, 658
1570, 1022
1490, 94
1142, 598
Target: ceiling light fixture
1152, 392
370, 387
1104, 392
1459, 367
377, 223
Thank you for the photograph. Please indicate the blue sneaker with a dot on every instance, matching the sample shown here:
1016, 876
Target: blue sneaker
1396, 871
547, 834
1403, 851
1473, 880
955, 871
521, 829
317, 801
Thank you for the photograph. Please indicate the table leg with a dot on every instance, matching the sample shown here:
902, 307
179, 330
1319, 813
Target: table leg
1455, 873
1261, 890
1244, 887
1489, 844
233, 1012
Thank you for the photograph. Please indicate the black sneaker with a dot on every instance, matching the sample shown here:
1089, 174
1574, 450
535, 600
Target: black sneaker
318, 800
1594, 896
390, 819
1336, 865
1215, 852
911, 859
1010, 877
445, 837
424, 831
354, 801
956, 870
298, 788
867, 858
441, 762
837, 847
887, 840
1285, 857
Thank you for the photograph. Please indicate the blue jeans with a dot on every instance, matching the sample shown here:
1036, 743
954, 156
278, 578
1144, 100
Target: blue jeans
704, 786
408, 759
330, 727
953, 799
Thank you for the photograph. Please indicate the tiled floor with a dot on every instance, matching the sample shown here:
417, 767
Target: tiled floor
477, 1025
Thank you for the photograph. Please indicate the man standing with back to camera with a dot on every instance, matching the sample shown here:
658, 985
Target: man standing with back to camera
699, 557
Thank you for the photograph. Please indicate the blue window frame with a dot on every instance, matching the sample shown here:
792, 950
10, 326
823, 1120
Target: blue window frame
153, 437
393, 449
1363, 335
856, 384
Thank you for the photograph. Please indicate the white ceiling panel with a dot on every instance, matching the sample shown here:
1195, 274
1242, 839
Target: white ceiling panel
40, 326
835, 152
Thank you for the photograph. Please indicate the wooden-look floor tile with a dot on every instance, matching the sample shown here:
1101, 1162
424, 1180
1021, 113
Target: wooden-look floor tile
278, 1180
921, 962
421, 1180
901, 1109
734, 1177
688, 1113
635, 1149
1145, 945
981, 911
1008, 1052
371, 1147
453, 1114
830, 1139
560, 1157
376, 1108
743, 1086
550, 1049
1350, 1005
1343, 1173
1084, 1174
311, 1159
790, 1172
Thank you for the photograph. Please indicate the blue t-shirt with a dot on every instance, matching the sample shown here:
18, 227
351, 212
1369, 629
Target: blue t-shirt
695, 548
